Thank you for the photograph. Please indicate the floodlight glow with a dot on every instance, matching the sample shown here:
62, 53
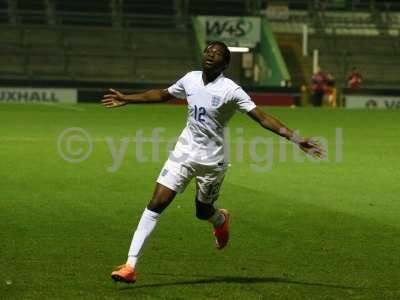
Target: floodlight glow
239, 49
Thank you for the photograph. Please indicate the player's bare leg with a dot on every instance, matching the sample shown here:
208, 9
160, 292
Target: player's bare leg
162, 197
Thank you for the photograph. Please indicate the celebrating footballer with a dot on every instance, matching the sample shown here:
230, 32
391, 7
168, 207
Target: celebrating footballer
199, 152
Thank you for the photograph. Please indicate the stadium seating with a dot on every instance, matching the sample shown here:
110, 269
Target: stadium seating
92, 41
160, 7
375, 56
81, 13
152, 40
3, 12
344, 39
31, 12
98, 68
98, 6
13, 64
51, 65
10, 38
162, 70
212, 7
40, 38
95, 54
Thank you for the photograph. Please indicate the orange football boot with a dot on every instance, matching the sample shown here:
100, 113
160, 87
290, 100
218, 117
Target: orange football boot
221, 232
124, 273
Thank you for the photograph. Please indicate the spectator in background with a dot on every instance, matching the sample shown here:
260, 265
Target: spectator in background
318, 81
354, 79
330, 90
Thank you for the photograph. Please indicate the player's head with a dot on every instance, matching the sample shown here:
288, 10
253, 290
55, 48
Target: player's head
216, 57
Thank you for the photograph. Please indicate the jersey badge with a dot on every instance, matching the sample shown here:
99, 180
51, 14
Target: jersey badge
215, 100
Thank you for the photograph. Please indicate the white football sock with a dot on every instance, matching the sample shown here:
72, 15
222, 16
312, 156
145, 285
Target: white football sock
146, 225
217, 218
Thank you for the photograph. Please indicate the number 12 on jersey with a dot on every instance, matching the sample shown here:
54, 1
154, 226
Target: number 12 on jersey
199, 113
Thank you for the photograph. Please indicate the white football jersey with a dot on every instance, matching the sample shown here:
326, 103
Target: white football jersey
210, 107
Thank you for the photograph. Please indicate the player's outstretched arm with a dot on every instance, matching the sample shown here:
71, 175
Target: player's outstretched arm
308, 145
115, 98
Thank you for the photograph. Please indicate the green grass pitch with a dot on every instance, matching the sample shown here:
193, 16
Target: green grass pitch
309, 230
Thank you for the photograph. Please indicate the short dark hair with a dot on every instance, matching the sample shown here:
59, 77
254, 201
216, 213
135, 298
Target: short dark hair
226, 54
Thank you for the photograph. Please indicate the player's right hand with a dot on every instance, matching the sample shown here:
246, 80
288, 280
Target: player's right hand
113, 99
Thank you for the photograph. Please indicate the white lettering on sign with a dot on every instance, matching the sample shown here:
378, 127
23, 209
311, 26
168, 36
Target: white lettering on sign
372, 101
37, 95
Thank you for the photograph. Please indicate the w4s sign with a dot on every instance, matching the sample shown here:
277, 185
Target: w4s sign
232, 30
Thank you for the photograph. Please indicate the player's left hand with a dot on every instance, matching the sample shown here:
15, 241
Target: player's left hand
311, 147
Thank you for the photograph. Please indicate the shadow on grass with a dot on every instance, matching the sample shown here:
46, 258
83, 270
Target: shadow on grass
239, 280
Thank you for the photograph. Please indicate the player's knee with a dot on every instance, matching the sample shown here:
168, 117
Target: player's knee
157, 205
162, 197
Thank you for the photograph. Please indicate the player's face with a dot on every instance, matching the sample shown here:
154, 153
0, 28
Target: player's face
213, 59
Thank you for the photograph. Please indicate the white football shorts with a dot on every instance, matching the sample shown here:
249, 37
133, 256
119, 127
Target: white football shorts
177, 175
